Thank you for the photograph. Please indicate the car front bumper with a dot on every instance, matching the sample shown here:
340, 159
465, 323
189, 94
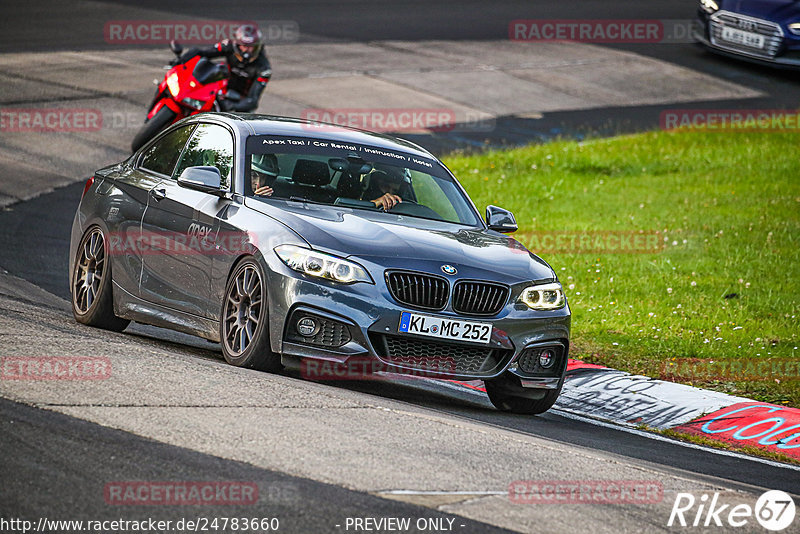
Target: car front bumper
371, 317
783, 50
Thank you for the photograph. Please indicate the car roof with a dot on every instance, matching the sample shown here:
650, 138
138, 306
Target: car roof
255, 124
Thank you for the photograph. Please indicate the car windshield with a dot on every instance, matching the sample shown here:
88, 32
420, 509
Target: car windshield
354, 176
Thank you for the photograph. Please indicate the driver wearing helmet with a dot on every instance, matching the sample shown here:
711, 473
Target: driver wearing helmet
263, 169
247, 63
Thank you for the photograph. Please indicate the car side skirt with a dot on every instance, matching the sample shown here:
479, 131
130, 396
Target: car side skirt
133, 308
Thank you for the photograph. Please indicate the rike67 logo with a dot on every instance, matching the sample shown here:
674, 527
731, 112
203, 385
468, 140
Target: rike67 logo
774, 510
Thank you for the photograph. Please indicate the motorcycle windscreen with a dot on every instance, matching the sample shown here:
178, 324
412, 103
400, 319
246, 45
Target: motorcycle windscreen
206, 72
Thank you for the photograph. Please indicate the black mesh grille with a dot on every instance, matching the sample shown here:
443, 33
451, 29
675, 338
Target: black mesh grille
444, 357
418, 290
479, 298
528, 361
331, 333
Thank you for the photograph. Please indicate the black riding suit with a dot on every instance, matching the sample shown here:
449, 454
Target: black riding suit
248, 79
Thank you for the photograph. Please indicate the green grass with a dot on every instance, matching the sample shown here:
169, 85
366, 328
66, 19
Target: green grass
707, 442
727, 209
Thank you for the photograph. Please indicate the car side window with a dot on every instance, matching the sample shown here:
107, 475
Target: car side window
210, 146
162, 156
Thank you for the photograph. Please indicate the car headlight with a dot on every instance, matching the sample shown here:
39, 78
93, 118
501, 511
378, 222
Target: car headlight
794, 27
173, 85
544, 297
322, 265
709, 6
193, 103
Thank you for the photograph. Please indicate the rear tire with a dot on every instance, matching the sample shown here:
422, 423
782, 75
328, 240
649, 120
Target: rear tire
92, 294
243, 325
508, 395
160, 120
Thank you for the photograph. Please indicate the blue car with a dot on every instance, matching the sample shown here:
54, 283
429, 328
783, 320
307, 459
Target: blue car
762, 31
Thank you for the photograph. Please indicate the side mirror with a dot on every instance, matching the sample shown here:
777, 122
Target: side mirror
500, 220
205, 179
176, 47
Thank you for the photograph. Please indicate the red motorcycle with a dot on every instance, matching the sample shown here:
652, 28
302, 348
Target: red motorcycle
187, 89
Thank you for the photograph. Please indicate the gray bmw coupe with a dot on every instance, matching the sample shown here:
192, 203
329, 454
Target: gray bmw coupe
297, 244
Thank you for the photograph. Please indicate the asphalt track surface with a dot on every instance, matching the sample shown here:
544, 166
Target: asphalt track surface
48, 478
77, 456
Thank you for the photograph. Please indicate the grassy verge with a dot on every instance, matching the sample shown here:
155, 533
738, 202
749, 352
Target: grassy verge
706, 442
724, 284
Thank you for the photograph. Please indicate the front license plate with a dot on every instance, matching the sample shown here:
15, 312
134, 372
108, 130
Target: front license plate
445, 328
753, 40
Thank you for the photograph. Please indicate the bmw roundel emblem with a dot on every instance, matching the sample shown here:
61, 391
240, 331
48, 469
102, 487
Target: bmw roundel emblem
449, 269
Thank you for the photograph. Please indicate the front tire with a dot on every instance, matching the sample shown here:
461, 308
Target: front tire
508, 395
160, 120
92, 294
244, 329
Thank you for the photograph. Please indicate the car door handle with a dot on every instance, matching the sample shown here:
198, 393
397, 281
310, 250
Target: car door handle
159, 194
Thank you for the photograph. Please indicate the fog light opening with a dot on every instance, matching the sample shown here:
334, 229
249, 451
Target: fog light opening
307, 327
547, 358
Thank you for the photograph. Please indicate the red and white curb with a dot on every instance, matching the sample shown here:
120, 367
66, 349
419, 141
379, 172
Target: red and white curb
758, 424
606, 394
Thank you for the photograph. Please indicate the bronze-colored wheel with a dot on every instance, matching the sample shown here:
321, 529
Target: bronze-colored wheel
244, 333
92, 295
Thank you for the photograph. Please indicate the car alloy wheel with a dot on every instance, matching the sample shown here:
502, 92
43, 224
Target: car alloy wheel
92, 294
89, 271
243, 309
244, 328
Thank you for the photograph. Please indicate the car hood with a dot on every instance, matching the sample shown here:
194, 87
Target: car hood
776, 10
396, 241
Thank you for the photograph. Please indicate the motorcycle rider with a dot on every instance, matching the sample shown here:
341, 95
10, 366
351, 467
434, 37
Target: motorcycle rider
249, 67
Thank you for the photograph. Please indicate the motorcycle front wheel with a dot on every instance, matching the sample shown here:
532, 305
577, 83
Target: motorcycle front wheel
160, 120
